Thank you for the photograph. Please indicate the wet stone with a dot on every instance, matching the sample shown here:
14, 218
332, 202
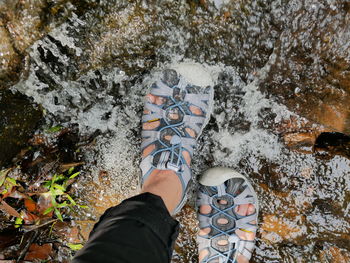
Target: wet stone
310, 73
95, 68
18, 119
25, 21
9, 58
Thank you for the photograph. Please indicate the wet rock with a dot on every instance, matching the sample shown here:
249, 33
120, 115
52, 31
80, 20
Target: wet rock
90, 70
18, 119
276, 229
186, 249
10, 60
310, 73
335, 255
22, 22
333, 143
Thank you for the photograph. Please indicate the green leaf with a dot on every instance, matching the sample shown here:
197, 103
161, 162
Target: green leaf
18, 222
47, 184
54, 192
3, 174
48, 210
75, 247
70, 171
53, 180
70, 199
54, 129
59, 178
64, 204
11, 181
58, 214
83, 206
53, 198
59, 187
74, 175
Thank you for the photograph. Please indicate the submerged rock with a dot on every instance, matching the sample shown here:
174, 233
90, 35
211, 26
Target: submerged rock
18, 119
22, 22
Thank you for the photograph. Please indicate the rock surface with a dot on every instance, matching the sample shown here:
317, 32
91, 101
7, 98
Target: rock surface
311, 72
94, 69
18, 119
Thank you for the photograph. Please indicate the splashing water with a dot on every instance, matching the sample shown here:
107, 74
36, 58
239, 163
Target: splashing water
95, 69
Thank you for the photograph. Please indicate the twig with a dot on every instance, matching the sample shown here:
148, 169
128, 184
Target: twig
65, 167
28, 241
28, 228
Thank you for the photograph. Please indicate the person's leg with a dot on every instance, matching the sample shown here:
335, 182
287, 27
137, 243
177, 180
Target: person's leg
140, 229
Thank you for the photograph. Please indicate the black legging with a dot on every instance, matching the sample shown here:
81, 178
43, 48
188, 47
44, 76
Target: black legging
140, 229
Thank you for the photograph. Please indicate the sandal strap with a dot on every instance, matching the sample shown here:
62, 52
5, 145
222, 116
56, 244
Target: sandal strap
198, 101
245, 197
194, 122
241, 246
243, 223
161, 89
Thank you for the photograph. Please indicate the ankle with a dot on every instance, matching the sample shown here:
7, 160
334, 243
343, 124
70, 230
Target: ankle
165, 184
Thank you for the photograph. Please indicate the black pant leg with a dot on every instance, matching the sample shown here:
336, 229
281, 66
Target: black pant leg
140, 229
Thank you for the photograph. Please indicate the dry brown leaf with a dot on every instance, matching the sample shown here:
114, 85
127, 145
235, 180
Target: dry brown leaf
8, 209
39, 252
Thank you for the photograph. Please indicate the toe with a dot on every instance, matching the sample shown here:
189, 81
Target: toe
187, 157
205, 209
196, 110
242, 209
155, 99
204, 231
148, 150
191, 132
160, 100
202, 254
150, 125
150, 98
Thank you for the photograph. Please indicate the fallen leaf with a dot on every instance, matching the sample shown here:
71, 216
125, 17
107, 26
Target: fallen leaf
3, 174
28, 217
38, 139
75, 247
30, 205
18, 195
8, 209
36, 252
44, 202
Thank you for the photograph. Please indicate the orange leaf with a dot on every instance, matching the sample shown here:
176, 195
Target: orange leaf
30, 205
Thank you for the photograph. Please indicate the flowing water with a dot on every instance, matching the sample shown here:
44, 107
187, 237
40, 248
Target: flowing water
282, 70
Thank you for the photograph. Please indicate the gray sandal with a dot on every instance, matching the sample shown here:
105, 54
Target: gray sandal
171, 138
222, 242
